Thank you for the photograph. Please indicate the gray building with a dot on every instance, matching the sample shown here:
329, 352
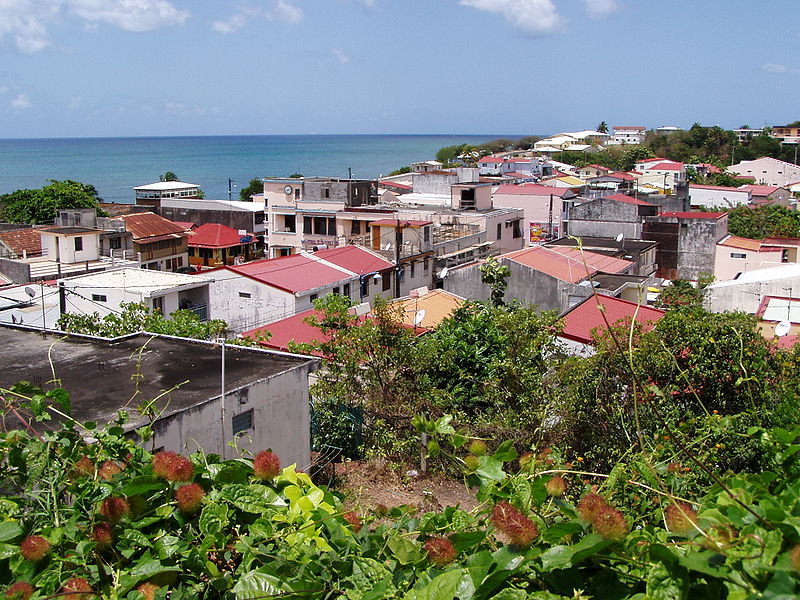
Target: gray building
687, 242
610, 216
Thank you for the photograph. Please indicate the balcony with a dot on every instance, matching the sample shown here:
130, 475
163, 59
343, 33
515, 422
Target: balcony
201, 310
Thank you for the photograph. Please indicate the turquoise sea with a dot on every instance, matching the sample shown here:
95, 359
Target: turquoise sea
115, 165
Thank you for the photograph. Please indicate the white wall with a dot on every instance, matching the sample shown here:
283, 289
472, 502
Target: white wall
713, 198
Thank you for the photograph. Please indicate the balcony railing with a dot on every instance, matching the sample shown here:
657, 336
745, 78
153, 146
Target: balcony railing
201, 310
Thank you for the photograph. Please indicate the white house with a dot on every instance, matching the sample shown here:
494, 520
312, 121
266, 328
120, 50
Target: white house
716, 196
628, 135
768, 171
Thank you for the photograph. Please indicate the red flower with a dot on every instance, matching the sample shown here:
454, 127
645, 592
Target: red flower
189, 497
266, 465
610, 523
148, 590
108, 469
34, 547
77, 588
590, 506
440, 551
172, 467
84, 467
114, 508
556, 486
680, 518
102, 535
521, 531
352, 518
20, 591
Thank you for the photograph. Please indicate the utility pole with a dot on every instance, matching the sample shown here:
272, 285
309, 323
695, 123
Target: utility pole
230, 182
398, 240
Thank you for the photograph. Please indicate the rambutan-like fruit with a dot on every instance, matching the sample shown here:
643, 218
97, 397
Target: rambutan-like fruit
477, 447
148, 590
526, 460
109, 469
189, 498
162, 463
352, 518
182, 469
590, 506
521, 531
556, 486
680, 518
381, 510
114, 508
102, 535
21, 590
34, 548
266, 465
172, 467
77, 588
471, 462
83, 467
440, 551
610, 523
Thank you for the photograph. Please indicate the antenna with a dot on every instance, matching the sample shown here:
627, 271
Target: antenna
443, 273
418, 317
782, 328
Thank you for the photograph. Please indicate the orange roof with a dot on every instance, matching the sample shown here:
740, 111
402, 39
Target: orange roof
586, 317
149, 226
20, 240
742, 243
437, 304
567, 264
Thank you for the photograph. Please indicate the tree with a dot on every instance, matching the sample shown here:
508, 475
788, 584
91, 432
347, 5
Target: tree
256, 186
602, 127
168, 176
630, 157
42, 205
495, 275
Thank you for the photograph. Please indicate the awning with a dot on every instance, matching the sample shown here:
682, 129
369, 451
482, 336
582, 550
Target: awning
465, 250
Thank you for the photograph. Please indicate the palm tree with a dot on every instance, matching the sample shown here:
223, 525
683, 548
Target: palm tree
603, 127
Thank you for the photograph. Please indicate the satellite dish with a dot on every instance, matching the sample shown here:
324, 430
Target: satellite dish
388, 246
30, 291
619, 238
443, 273
377, 277
418, 317
782, 328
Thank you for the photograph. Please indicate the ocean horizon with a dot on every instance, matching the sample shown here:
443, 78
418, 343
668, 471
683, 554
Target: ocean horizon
115, 165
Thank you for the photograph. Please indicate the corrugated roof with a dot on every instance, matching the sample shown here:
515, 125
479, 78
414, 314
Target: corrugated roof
629, 200
734, 241
761, 190
150, 225
717, 188
588, 316
294, 273
567, 264
290, 329
215, 235
437, 304
27, 240
354, 258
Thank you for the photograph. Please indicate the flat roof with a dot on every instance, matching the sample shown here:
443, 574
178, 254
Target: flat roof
146, 281
69, 230
161, 186
100, 374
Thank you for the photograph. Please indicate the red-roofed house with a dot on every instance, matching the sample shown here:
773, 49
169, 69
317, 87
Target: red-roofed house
590, 171
768, 194
158, 243
538, 202
21, 243
213, 244
490, 165
593, 316
737, 255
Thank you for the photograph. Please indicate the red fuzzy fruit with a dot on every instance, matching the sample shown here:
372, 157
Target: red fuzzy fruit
556, 486
182, 469
172, 467
162, 464
266, 465
590, 506
148, 590
352, 518
680, 518
521, 531
77, 588
34, 547
440, 551
84, 467
19, 591
102, 535
114, 508
526, 460
108, 469
610, 523
189, 498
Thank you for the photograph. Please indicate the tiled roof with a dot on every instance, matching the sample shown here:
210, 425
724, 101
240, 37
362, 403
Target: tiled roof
215, 235
734, 241
667, 166
150, 225
294, 273
693, 215
629, 200
354, 258
20, 240
761, 190
532, 189
491, 159
587, 316
567, 264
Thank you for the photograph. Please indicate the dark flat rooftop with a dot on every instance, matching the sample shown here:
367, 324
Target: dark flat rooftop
70, 230
100, 375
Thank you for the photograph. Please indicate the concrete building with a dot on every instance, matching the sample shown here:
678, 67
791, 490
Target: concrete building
213, 244
687, 242
628, 135
769, 194
249, 216
265, 401
641, 252
767, 171
745, 133
158, 243
545, 208
737, 255
609, 216
715, 196
152, 194
746, 292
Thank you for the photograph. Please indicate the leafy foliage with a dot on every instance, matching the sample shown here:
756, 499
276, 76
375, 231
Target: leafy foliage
256, 186
42, 205
763, 221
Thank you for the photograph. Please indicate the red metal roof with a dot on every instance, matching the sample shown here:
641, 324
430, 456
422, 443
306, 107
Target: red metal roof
533, 189
403, 223
693, 215
567, 264
395, 184
586, 317
185, 224
215, 235
761, 190
620, 175
667, 166
491, 159
354, 258
294, 273
290, 329
150, 225
629, 200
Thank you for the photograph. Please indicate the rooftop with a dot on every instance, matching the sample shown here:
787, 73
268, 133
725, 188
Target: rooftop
629, 200
23, 240
215, 235
734, 241
533, 189
437, 304
148, 226
357, 259
566, 264
693, 215
588, 316
148, 282
161, 186
295, 273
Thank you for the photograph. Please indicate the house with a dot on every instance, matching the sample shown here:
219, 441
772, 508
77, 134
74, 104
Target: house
619, 181
687, 242
609, 216
715, 196
158, 243
641, 252
20, 243
565, 181
666, 174
375, 274
767, 171
590, 171
746, 292
769, 194
544, 207
628, 135
737, 255
787, 134
745, 133
152, 194
426, 166
490, 165
592, 317
206, 395
213, 244
411, 243
774, 310
103, 293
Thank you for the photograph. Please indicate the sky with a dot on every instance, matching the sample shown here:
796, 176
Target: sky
88, 68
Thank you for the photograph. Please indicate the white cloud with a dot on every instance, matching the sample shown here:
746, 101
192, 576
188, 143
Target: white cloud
773, 68
287, 12
283, 11
186, 110
21, 102
340, 56
366, 3
235, 22
24, 22
530, 17
600, 8
130, 15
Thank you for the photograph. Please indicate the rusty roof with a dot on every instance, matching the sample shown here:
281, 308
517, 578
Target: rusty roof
148, 226
20, 240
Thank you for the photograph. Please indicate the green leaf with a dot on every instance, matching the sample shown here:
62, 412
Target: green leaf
505, 452
559, 530
213, 519
61, 396
257, 584
510, 594
442, 587
8, 550
490, 468
250, 498
9, 530
404, 550
559, 557
150, 568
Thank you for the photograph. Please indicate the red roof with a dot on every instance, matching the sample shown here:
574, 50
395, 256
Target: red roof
721, 188
395, 184
290, 329
583, 319
620, 175
601, 167
215, 235
354, 258
25, 240
668, 166
150, 227
567, 264
294, 273
403, 223
693, 215
761, 190
629, 200
491, 159
533, 189
185, 224
649, 160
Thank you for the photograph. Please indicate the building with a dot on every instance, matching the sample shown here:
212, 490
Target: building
767, 171
610, 216
628, 135
262, 401
687, 242
737, 255
641, 252
745, 133
545, 208
769, 194
590, 171
212, 245
247, 216
158, 243
20, 243
426, 166
104, 293
787, 134
746, 292
715, 196
152, 194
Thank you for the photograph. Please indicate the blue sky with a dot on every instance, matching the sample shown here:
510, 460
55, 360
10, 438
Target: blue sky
74, 68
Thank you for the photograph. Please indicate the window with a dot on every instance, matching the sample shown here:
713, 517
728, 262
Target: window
336, 291
307, 224
289, 220
245, 295
99, 298
115, 243
313, 297
355, 228
387, 281
327, 192
517, 230
297, 194
242, 422
158, 303
413, 268
426, 265
78, 244
499, 230
364, 286
347, 289
738, 255
427, 234
785, 255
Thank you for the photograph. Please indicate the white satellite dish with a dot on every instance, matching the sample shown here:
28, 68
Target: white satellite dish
388, 246
443, 273
782, 328
619, 238
418, 317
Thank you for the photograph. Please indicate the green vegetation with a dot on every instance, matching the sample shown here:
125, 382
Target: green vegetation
400, 171
168, 176
763, 221
256, 186
42, 205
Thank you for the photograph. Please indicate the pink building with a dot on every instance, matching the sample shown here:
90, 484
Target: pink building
543, 206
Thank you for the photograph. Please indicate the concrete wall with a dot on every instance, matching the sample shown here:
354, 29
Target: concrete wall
726, 266
280, 421
18, 272
768, 171
723, 198
590, 228
234, 219
433, 183
697, 246
62, 248
735, 296
536, 211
